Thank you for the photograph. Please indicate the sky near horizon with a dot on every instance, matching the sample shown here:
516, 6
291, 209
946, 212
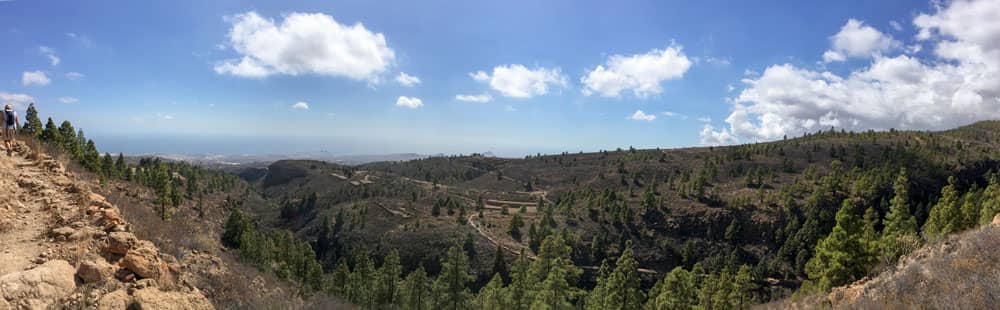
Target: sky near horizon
508, 77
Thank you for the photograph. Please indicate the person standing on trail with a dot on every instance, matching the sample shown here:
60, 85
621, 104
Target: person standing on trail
10, 121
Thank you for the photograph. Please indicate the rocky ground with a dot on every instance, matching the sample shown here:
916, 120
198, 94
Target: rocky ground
961, 271
63, 246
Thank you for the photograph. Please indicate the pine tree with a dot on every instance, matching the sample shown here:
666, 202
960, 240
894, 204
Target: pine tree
491, 296
554, 293
553, 273
519, 293
32, 123
945, 214
121, 168
415, 294
451, 290
620, 289
500, 264
991, 200
361, 284
70, 144
514, 229
742, 296
51, 133
840, 257
971, 207
900, 225
388, 277
869, 234
678, 290
236, 226
339, 277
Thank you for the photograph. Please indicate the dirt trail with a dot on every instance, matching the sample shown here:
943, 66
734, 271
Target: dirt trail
26, 197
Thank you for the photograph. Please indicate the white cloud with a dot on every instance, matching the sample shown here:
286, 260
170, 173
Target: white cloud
19, 101
409, 102
895, 25
50, 53
832, 56
705, 119
674, 114
301, 105
407, 80
641, 73
479, 76
483, 98
29, 78
74, 76
517, 81
68, 100
857, 40
722, 62
304, 43
162, 116
959, 84
641, 116
730, 88
80, 38
509, 108
709, 136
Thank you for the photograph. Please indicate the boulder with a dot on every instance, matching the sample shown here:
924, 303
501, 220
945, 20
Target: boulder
40, 287
996, 220
153, 298
119, 243
114, 301
144, 261
95, 270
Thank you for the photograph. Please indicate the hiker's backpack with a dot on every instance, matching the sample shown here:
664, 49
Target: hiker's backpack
9, 118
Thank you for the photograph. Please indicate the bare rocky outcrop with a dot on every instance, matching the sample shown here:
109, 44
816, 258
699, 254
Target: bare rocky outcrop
38, 287
62, 246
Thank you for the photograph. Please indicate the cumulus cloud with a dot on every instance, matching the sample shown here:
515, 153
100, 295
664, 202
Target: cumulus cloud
483, 98
642, 116
301, 105
518, 81
642, 74
479, 76
407, 80
710, 136
959, 84
19, 101
409, 102
73, 76
68, 100
858, 40
304, 43
39, 78
49, 53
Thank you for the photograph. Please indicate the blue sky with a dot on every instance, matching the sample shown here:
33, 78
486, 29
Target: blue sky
145, 75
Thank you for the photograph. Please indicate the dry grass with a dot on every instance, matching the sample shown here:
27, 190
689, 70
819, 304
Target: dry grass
958, 272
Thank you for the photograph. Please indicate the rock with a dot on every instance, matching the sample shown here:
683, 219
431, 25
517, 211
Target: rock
153, 298
144, 261
40, 287
119, 243
996, 220
62, 233
95, 270
115, 300
124, 275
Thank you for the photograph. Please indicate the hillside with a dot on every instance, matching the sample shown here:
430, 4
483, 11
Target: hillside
764, 206
959, 272
65, 246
